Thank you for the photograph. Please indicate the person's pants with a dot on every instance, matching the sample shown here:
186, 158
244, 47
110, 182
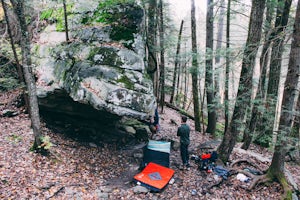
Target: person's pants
184, 153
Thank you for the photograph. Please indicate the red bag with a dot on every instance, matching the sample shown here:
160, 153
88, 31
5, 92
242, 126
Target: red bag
205, 156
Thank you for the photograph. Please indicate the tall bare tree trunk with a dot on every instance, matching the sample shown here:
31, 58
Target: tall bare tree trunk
243, 99
209, 75
151, 42
296, 125
264, 59
194, 70
176, 71
19, 67
162, 56
220, 31
253, 119
186, 81
18, 7
66, 20
218, 67
265, 130
290, 97
226, 98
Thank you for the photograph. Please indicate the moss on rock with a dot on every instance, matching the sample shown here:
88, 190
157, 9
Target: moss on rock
57, 15
127, 82
124, 16
105, 56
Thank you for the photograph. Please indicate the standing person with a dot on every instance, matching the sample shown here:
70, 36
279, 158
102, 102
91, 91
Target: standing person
184, 132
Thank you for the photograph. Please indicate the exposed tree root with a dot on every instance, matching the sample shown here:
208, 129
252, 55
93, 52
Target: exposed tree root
287, 188
61, 189
249, 162
266, 178
215, 184
56, 193
258, 180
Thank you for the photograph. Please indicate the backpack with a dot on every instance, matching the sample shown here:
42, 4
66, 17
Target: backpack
208, 161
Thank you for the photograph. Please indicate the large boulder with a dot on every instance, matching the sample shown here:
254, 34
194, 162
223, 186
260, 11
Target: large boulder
99, 76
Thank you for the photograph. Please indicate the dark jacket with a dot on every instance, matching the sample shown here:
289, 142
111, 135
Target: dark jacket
184, 133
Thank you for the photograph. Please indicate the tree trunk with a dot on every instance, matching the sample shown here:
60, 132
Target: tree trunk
30, 82
296, 125
253, 119
265, 130
220, 31
226, 98
186, 81
218, 67
162, 57
19, 67
290, 97
66, 20
264, 59
194, 70
151, 43
244, 95
176, 71
209, 76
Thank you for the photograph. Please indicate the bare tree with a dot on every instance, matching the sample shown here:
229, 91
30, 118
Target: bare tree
226, 100
290, 96
66, 20
265, 130
209, 75
18, 7
220, 30
244, 95
19, 67
218, 68
151, 42
186, 80
194, 69
270, 35
176, 71
162, 56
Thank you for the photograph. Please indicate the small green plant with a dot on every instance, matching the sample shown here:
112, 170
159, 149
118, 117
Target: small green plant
9, 83
56, 15
46, 14
15, 138
219, 130
46, 143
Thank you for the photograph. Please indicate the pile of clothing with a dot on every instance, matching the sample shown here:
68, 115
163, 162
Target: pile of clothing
206, 161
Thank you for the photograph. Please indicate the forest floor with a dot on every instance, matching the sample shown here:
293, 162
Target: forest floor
84, 170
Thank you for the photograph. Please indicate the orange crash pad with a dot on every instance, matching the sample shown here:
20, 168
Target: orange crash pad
154, 176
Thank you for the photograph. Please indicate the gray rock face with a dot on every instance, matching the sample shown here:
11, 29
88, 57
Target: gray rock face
98, 69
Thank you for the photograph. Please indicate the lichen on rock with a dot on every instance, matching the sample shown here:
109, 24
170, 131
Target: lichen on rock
96, 68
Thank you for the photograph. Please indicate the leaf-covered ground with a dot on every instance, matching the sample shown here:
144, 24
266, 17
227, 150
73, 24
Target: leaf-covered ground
83, 170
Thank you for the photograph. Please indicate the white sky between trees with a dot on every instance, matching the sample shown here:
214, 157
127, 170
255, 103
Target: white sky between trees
182, 8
